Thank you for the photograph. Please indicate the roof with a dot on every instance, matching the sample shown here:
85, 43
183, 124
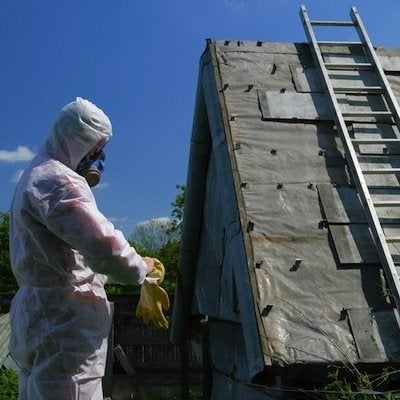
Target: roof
5, 333
263, 138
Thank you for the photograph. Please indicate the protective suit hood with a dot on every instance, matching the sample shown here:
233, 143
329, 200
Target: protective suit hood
79, 128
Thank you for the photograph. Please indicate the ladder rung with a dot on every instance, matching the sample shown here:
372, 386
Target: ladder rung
376, 141
376, 187
347, 66
381, 171
392, 239
318, 51
367, 114
387, 203
359, 90
332, 23
333, 43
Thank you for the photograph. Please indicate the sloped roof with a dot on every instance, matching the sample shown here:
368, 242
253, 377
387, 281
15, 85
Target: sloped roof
317, 286
5, 333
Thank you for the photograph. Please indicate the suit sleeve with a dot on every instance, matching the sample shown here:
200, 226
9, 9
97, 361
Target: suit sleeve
71, 214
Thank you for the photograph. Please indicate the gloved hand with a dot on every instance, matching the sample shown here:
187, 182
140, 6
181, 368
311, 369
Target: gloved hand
158, 271
153, 298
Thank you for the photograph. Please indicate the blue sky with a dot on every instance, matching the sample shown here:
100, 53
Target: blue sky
138, 61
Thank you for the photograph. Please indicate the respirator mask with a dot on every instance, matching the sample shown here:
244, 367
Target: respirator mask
92, 166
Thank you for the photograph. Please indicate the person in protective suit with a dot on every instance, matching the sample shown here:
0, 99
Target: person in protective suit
62, 250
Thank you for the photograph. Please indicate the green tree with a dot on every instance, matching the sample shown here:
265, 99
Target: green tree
177, 211
159, 238
151, 235
169, 255
8, 283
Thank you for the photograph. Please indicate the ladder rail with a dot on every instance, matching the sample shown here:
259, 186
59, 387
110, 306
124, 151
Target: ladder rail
351, 156
369, 48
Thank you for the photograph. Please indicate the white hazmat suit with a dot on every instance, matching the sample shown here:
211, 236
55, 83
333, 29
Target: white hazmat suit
61, 249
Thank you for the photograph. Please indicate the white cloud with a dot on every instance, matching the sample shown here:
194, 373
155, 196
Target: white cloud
116, 220
235, 4
155, 221
22, 153
17, 175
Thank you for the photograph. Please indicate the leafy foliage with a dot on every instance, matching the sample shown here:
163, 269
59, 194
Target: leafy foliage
177, 211
8, 384
8, 283
159, 239
169, 255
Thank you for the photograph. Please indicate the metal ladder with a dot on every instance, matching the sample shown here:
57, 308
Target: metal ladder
342, 119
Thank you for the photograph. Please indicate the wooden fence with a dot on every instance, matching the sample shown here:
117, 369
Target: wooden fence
141, 360
144, 358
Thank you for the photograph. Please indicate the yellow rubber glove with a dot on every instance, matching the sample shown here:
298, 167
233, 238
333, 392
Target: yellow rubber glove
153, 298
158, 271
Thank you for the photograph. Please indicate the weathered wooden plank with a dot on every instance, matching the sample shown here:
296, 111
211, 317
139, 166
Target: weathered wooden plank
132, 339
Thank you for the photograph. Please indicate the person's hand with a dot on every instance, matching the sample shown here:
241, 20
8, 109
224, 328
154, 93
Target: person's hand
150, 264
153, 298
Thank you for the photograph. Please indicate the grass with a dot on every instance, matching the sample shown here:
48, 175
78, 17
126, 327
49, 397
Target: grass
194, 394
9, 388
362, 386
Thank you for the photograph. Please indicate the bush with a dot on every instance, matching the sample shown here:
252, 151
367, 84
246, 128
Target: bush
8, 284
8, 384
